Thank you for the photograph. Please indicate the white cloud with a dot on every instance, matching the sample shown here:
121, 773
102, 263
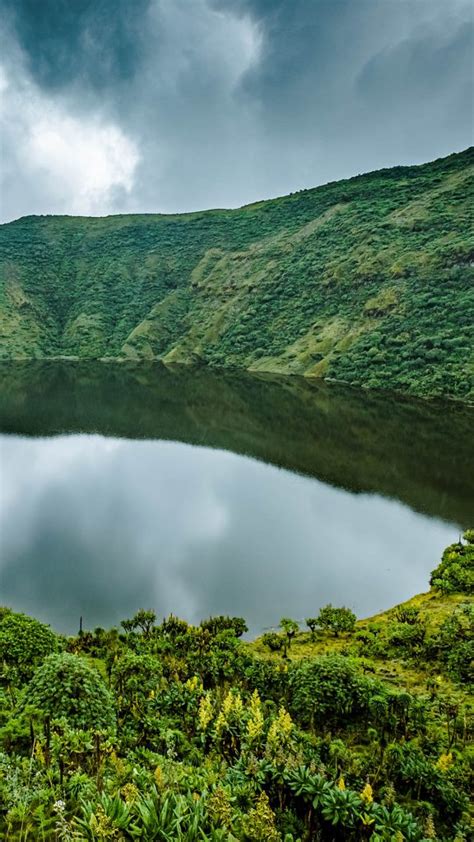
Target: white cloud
87, 159
82, 162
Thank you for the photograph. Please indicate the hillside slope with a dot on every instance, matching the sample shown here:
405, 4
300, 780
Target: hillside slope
367, 281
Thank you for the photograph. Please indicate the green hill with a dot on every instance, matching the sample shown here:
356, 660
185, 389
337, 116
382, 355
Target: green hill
367, 281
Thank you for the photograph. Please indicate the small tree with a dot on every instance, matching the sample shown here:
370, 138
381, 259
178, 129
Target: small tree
143, 621
174, 627
290, 628
215, 625
312, 623
336, 620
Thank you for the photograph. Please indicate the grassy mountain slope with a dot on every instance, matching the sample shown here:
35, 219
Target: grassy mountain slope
368, 281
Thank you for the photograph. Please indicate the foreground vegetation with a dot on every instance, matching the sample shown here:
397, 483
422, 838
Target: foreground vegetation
367, 281
347, 731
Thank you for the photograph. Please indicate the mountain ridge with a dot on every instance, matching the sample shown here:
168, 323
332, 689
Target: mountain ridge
367, 281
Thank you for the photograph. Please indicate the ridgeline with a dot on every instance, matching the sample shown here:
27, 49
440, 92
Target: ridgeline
367, 281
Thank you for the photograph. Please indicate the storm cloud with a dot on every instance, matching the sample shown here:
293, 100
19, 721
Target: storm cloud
173, 105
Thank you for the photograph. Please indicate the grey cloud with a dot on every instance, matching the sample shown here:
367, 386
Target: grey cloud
426, 65
97, 43
228, 101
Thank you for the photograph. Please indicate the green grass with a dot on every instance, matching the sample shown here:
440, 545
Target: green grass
367, 281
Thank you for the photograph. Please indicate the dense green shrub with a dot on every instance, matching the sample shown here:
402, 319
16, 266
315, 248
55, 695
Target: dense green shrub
273, 640
215, 625
25, 642
66, 686
336, 620
329, 688
455, 573
134, 675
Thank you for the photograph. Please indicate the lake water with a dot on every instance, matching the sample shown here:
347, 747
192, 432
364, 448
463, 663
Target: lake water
195, 492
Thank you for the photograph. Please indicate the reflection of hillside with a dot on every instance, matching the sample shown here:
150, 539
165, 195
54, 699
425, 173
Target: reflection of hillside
417, 452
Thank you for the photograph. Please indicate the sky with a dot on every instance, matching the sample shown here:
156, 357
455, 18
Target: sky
118, 106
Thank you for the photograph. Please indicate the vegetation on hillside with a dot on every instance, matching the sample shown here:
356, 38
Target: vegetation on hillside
367, 281
166, 731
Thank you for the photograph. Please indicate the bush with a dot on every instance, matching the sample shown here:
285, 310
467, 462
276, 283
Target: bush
273, 640
407, 614
24, 643
216, 625
329, 688
336, 620
454, 643
455, 573
67, 686
406, 635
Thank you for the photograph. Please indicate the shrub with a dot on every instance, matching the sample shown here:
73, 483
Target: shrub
329, 687
273, 640
336, 620
215, 625
406, 635
455, 573
406, 614
67, 686
134, 674
25, 642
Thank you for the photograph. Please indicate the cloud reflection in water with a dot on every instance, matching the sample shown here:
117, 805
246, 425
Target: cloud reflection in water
99, 527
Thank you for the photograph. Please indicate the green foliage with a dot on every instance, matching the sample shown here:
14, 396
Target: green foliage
66, 686
135, 676
366, 281
290, 629
407, 614
24, 643
454, 643
455, 573
336, 619
200, 735
274, 641
329, 688
312, 623
142, 622
215, 625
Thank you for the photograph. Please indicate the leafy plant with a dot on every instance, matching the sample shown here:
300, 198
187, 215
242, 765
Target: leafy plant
455, 573
25, 642
66, 686
336, 620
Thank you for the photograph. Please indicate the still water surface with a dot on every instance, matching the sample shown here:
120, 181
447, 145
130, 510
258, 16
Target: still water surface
196, 493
